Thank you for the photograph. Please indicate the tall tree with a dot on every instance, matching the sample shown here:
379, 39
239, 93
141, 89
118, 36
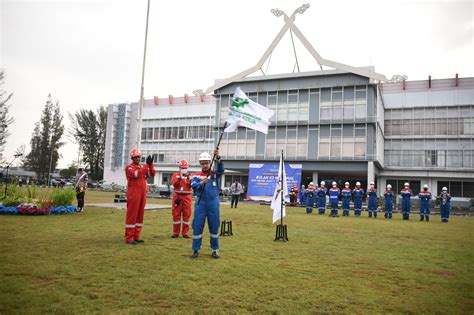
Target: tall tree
5, 119
46, 141
88, 128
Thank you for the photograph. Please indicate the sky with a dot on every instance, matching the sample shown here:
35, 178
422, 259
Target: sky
89, 53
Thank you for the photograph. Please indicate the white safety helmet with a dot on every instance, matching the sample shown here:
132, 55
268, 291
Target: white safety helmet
406, 185
358, 184
334, 184
205, 157
372, 183
346, 184
310, 184
444, 189
425, 186
323, 183
389, 186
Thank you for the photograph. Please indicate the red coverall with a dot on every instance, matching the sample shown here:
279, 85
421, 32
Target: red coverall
183, 195
136, 198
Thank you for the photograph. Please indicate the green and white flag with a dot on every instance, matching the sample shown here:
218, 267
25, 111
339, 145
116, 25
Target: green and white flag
245, 112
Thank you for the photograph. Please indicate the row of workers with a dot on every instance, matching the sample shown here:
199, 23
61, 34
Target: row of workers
315, 196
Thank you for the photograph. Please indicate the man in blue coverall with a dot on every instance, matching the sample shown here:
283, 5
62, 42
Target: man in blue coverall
372, 202
406, 201
206, 184
358, 195
388, 202
425, 197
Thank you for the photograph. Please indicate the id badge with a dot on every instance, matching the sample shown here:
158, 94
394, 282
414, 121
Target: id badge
182, 188
213, 183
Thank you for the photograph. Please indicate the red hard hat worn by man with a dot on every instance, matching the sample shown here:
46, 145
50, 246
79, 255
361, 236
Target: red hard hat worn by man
136, 195
182, 200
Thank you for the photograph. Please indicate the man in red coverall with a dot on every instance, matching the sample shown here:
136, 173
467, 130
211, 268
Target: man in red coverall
136, 195
182, 199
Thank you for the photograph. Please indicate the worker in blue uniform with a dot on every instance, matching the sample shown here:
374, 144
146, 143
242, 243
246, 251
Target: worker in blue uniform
301, 196
322, 191
425, 197
372, 200
334, 199
388, 194
309, 195
445, 204
346, 194
406, 202
206, 184
358, 194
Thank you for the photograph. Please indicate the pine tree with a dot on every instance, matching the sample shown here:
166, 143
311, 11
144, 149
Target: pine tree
88, 129
45, 141
5, 119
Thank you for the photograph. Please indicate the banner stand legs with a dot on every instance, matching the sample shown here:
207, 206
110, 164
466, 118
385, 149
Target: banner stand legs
226, 228
281, 233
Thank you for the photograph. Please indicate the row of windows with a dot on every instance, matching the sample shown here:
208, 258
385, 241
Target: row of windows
429, 144
179, 132
337, 103
429, 126
430, 112
430, 158
173, 156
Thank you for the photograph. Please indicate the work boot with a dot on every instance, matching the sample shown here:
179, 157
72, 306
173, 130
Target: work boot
195, 254
140, 241
215, 254
130, 242
186, 236
174, 236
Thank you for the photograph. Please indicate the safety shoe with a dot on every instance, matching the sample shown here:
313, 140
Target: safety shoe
195, 254
174, 236
215, 254
186, 236
130, 242
140, 241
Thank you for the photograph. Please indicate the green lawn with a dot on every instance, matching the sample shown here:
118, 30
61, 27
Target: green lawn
79, 263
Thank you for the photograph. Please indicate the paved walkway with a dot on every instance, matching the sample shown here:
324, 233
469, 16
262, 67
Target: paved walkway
123, 205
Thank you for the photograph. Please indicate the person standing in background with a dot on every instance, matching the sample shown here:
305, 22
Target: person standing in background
236, 190
80, 183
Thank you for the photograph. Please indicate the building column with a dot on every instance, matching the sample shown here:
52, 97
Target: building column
223, 181
433, 184
370, 172
315, 178
381, 184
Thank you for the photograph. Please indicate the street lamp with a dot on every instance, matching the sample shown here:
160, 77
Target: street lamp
8, 167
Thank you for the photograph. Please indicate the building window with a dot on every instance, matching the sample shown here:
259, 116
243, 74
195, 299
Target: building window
431, 157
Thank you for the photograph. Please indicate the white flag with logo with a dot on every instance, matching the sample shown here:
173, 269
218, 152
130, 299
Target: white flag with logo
245, 112
276, 205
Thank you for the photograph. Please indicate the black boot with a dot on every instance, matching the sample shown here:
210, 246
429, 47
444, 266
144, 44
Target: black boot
195, 254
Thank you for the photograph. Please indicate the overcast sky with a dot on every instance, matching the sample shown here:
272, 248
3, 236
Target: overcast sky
89, 53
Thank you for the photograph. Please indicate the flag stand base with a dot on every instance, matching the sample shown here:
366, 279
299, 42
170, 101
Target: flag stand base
281, 233
226, 228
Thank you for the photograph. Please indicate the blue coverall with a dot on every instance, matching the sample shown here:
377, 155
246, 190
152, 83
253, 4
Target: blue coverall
333, 199
207, 207
406, 203
302, 197
425, 197
445, 200
346, 201
321, 192
372, 202
358, 195
388, 204
309, 195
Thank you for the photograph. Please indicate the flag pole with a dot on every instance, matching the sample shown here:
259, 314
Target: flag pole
212, 162
281, 186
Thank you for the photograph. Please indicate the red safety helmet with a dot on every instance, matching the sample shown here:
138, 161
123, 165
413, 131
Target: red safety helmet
183, 164
135, 152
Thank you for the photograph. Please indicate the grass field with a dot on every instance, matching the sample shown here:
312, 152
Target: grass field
79, 263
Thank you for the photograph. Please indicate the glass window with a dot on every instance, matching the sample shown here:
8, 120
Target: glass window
272, 98
348, 147
143, 137
360, 111
349, 95
455, 189
468, 189
156, 134
359, 149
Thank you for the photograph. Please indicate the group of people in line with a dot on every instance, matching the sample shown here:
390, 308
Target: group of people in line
205, 184
314, 196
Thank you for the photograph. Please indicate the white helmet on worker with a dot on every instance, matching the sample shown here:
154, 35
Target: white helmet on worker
310, 184
323, 183
406, 184
444, 189
205, 157
389, 186
334, 184
372, 183
346, 184
425, 186
358, 184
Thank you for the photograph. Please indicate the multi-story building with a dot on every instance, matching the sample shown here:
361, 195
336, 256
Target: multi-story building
429, 135
173, 128
340, 126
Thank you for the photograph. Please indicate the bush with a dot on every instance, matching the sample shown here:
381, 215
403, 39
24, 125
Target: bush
62, 196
